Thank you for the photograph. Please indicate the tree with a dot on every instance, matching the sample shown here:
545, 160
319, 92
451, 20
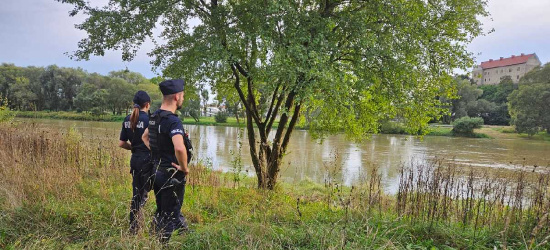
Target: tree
529, 105
23, 98
120, 94
83, 101
466, 104
356, 62
204, 97
537, 75
33, 74
133, 78
225, 93
60, 86
192, 107
492, 104
530, 108
8, 77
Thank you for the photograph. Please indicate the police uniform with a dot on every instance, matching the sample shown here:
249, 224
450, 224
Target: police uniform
140, 162
169, 184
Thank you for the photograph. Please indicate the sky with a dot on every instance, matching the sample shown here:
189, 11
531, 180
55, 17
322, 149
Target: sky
40, 32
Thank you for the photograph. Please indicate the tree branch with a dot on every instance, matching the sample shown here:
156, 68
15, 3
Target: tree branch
238, 87
273, 98
276, 110
291, 126
241, 70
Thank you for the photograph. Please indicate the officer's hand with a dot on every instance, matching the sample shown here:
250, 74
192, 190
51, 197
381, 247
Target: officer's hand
185, 170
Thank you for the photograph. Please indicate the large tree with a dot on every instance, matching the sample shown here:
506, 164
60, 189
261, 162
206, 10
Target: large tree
529, 105
353, 62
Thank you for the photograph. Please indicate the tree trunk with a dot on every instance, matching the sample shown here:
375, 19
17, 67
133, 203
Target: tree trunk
237, 115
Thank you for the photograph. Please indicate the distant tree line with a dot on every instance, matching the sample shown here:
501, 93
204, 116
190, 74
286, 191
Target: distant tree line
71, 89
525, 105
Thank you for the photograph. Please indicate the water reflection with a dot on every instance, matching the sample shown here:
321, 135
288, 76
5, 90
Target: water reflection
307, 158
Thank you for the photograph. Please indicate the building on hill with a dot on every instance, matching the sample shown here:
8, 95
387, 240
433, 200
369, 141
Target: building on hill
490, 72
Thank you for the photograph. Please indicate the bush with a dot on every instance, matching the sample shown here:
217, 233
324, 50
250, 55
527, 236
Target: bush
390, 127
96, 111
221, 117
6, 115
466, 125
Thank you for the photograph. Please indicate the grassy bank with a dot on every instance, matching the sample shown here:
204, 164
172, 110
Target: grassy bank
58, 190
448, 131
211, 121
63, 115
496, 132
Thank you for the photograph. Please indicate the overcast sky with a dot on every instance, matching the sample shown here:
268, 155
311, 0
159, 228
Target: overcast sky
39, 32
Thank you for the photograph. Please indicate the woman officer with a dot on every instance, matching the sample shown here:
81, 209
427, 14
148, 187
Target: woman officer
140, 163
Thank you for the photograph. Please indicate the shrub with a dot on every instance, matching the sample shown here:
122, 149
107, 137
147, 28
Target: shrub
466, 125
96, 111
6, 115
390, 127
221, 117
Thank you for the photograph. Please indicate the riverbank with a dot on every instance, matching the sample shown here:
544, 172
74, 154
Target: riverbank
63, 115
58, 192
487, 131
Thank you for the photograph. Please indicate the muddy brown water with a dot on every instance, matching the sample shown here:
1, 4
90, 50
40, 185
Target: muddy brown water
339, 158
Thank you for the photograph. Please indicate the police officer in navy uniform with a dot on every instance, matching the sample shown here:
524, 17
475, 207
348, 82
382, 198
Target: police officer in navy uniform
140, 164
165, 137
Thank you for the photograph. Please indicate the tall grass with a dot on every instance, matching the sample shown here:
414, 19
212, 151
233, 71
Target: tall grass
59, 190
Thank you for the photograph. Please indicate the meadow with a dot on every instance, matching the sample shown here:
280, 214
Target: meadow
60, 190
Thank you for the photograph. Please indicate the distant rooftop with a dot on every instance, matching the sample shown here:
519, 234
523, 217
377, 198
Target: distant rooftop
513, 60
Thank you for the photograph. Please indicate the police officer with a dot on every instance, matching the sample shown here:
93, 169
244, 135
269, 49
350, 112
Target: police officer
140, 164
165, 138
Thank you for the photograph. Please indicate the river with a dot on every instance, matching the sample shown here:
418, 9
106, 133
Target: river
349, 162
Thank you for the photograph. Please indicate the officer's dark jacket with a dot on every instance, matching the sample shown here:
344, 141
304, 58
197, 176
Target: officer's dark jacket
126, 134
169, 126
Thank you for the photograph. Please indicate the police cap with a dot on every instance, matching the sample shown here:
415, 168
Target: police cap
141, 97
173, 86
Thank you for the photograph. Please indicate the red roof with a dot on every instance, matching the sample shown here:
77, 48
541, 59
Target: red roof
506, 61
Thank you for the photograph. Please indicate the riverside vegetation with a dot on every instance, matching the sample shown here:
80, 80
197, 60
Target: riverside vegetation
59, 190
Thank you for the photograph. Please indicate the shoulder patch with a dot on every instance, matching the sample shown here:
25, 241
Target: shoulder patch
175, 131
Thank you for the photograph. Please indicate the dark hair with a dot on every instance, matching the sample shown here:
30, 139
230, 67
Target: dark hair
134, 117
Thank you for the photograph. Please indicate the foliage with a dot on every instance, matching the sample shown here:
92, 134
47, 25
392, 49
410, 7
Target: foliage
221, 117
391, 127
530, 108
537, 75
466, 125
466, 104
356, 63
192, 108
95, 114
68, 89
486, 101
498, 93
530, 104
6, 115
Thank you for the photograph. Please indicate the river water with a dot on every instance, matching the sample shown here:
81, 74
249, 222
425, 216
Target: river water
349, 162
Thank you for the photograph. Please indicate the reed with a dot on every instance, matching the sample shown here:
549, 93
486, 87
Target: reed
60, 190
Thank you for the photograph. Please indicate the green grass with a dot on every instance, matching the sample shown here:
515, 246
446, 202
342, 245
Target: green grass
68, 115
67, 193
210, 121
446, 131
226, 218
543, 136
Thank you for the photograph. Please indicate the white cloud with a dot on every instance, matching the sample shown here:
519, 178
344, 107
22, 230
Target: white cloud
520, 27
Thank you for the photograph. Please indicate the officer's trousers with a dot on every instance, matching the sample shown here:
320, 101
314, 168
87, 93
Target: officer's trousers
169, 192
140, 167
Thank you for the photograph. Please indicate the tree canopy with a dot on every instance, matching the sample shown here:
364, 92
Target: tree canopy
57, 88
353, 62
530, 104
